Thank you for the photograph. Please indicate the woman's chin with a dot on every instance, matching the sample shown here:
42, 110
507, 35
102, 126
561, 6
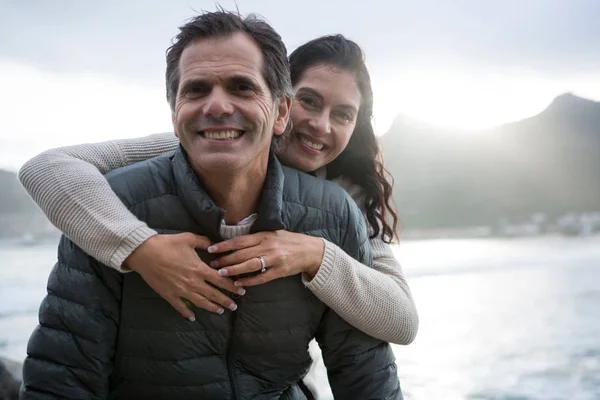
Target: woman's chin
310, 167
304, 164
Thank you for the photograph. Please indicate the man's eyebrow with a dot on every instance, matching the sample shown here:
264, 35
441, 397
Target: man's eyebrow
193, 82
243, 79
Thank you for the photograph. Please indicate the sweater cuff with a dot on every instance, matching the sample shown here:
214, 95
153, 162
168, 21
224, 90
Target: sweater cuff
128, 245
322, 276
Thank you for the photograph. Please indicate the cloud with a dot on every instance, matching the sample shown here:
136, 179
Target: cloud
42, 110
93, 71
128, 38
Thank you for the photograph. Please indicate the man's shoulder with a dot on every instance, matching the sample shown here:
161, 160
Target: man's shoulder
142, 181
315, 192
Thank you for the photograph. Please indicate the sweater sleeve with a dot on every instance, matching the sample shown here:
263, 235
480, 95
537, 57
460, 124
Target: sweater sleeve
68, 185
375, 300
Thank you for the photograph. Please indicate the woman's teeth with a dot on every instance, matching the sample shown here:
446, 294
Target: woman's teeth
222, 135
310, 144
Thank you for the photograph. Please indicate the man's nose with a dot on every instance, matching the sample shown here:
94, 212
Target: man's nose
218, 103
320, 124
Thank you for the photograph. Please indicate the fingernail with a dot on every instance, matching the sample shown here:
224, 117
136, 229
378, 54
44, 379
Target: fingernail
192, 318
236, 283
220, 311
222, 272
214, 264
233, 307
212, 249
241, 292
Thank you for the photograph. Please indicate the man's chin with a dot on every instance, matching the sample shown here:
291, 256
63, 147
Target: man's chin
217, 164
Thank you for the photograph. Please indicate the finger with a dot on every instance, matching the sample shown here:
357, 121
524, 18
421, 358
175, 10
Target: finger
182, 308
202, 302
201, 242
237, 243
251, 265
237, 257
215, 296
224, 283
269, 275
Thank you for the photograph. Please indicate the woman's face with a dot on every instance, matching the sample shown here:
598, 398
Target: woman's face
326, 104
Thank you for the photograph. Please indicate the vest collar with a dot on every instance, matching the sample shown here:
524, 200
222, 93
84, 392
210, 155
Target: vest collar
208, 216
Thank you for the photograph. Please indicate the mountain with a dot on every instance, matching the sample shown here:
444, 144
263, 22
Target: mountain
18, 213
13, 198
548, 163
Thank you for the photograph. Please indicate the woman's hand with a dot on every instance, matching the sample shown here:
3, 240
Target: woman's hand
170, 265
285, 253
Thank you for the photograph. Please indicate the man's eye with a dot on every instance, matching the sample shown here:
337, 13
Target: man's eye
242, 88
196, 91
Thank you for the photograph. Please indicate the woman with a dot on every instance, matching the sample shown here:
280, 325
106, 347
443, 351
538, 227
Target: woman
331, 136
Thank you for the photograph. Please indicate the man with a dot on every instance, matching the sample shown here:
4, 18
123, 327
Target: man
107, 335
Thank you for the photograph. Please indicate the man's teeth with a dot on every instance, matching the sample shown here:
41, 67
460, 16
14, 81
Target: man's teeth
316, 146
222, 135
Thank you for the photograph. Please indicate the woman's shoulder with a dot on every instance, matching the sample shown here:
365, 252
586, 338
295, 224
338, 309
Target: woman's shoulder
306, 187
355, 191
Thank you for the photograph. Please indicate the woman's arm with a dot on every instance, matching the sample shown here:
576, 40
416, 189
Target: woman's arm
375, 300
68, 185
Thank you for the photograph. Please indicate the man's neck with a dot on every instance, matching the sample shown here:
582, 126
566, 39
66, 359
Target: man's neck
237, 193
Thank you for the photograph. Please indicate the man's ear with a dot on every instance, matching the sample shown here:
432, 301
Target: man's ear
284, 106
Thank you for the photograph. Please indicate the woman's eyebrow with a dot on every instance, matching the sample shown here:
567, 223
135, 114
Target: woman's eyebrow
311, 91
350, 107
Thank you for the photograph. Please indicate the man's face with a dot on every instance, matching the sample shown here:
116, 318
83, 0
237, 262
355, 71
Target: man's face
224, 114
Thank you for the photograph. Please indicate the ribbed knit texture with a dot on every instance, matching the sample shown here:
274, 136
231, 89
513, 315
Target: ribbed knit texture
231, 231
68, 185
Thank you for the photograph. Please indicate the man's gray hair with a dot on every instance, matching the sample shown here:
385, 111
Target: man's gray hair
222, 23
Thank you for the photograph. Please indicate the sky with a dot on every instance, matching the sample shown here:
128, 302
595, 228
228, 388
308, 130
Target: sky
74, 71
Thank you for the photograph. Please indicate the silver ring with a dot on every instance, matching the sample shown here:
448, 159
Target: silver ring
262, 264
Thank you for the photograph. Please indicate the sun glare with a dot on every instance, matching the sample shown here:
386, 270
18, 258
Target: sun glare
468, 103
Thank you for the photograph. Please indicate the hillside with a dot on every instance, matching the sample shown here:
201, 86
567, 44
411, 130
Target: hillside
18, 213
547, 163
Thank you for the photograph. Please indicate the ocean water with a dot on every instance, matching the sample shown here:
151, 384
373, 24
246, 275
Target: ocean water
500, 319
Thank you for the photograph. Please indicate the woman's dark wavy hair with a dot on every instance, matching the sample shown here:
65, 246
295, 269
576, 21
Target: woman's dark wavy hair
361, 161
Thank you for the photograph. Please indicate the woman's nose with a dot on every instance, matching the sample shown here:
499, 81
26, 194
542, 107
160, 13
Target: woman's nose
320, 124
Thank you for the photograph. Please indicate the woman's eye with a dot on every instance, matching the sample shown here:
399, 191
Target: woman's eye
308, 101
344, 116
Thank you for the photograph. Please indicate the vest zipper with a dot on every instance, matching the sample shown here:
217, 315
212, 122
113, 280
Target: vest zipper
229, 357
229, 352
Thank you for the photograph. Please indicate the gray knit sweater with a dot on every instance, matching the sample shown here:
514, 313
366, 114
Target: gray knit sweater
68, 185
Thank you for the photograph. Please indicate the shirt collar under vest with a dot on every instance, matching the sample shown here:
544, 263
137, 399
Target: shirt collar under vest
208, 216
